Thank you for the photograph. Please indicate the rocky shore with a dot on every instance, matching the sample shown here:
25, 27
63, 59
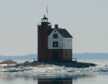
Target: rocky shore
66, 64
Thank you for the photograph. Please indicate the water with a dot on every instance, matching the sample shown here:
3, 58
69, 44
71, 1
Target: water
51, 74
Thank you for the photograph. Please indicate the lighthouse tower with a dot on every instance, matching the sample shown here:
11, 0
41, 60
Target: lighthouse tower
43, 31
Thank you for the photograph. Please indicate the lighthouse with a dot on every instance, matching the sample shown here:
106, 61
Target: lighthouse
54, 43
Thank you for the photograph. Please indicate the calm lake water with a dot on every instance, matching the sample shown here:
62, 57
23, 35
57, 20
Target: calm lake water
100, 76
95, 79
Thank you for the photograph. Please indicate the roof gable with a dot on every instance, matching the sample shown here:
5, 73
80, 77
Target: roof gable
63, 32
55, 31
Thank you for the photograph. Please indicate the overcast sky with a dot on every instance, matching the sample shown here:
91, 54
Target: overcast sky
86, 20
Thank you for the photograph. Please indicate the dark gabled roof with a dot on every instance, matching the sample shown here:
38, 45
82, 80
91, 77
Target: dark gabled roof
64, 33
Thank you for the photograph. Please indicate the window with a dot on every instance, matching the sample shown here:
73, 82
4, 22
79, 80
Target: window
55, 44
55, 36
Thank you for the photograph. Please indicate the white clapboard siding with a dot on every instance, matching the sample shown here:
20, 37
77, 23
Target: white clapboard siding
63, 43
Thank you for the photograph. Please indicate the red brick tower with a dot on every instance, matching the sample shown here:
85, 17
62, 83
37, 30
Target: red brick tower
43, 31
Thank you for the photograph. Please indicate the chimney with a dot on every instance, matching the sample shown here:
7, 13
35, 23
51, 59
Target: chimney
56, 26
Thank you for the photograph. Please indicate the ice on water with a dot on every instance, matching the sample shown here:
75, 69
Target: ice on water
53, 71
